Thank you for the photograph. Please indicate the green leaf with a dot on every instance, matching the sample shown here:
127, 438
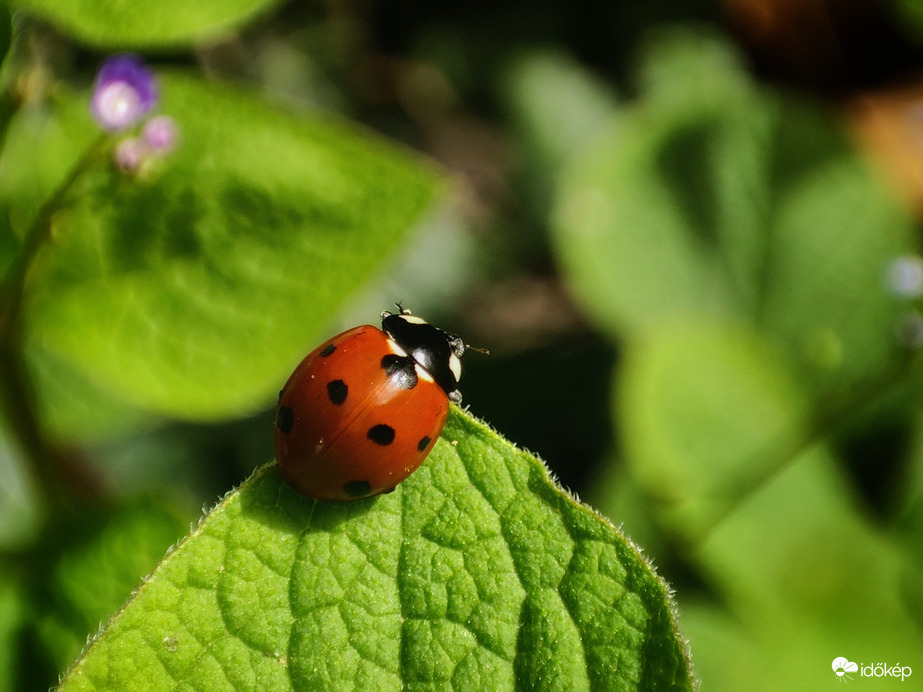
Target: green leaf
557, 105
703, 406
716, 428
167, 23
712, 198
644, 215
476, 573
911, 16
105, 552
73, 406
12, 620
55, 592
191, 293
804, 579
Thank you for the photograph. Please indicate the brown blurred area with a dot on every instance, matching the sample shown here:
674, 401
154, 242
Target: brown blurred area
863, 55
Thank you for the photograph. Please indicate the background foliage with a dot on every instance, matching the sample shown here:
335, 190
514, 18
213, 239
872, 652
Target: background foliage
675, 226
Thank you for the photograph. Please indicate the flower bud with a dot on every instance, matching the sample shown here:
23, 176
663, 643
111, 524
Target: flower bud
124, 92
160, 133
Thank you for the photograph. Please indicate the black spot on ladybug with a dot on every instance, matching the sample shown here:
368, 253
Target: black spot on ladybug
357, 488
328, 349
381, 434
285, 419
401, 369
337, 391
423, 443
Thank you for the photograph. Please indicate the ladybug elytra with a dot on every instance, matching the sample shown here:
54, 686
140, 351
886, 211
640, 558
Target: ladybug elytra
362, 411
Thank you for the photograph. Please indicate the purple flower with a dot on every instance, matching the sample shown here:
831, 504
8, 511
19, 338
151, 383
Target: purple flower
124, 92
160, 133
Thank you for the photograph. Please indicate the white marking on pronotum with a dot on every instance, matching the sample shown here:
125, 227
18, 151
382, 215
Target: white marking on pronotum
455, 366
423, 373
396, 349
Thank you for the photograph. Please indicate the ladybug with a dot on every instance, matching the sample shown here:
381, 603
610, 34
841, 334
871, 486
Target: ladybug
363, 410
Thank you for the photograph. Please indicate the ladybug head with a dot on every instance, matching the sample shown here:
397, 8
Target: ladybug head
436, 351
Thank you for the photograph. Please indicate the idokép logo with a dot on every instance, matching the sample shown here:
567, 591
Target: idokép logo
845, 670
842, 666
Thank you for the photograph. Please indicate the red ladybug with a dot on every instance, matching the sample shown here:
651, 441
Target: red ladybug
361, 412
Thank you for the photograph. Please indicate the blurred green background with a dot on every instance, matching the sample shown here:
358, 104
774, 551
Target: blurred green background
688, 232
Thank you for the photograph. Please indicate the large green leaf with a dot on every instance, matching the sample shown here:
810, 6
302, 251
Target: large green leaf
805, 579
191, 293
86, 566
476, 573
123, 23
714, 424
712, 198
705, 406
735, 243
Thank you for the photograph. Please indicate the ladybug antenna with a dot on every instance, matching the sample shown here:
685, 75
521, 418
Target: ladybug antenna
477, 349
401, 310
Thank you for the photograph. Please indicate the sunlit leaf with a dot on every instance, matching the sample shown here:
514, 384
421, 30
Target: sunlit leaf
121, 23
191, 292
475, 573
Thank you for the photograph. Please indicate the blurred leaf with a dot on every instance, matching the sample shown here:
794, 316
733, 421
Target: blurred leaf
714, 424
678, 66
559, 106
36, 154
192, 293
167, 23
72, 405
12, 619
645, 219
713, 198
911, 12
6, 30
825, 292
100, 566
20, 517
910, 528
704, 406
90, 566
805, 580
476, 572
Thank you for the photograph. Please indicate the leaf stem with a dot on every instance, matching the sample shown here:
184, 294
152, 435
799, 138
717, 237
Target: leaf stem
39, 233
17, 394
735, 491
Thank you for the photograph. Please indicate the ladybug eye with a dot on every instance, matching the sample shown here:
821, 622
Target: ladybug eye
457, 345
